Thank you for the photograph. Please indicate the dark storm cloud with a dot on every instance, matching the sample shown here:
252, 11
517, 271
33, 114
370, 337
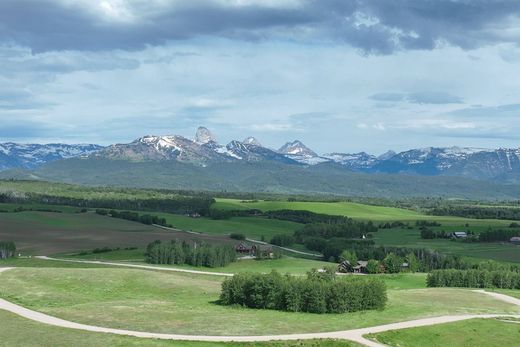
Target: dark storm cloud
373, 26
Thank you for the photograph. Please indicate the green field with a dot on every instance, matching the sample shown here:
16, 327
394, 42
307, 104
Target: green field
470, 333
185, 303
252, 227
477, 250
353, 210
44, 233
14, 334
283, 265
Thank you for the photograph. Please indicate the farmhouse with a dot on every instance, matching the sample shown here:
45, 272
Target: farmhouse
244, 248
515, 240
259, 251
459, 235
360, 267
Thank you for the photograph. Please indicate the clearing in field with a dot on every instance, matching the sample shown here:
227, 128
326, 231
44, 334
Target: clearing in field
183, 303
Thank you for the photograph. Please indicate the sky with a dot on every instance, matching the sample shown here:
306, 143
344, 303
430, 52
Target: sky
342, 76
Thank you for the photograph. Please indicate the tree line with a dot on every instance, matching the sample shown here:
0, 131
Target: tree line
7, 249
490, 235
177, 204
474, 278
191, 253
314, 294
478, 212
134, 217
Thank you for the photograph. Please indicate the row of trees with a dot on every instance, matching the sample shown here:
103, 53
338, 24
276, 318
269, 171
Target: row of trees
315, 294
491, 235
479, 212
191, 253
134, 216
7, 249
175, 204
474, 278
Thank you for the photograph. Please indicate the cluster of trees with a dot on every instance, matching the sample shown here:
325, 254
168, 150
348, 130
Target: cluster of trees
392, 225
237, 236
429, 234
392, 263
7, 249
418, 259
134, 216
315, 294
478, 212
491, 235
282, 240
474, 278
196, 254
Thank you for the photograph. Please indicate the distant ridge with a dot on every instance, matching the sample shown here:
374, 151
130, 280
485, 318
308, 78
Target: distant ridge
500, 165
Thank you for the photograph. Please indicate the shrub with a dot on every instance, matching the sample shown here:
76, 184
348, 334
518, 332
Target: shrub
237, 236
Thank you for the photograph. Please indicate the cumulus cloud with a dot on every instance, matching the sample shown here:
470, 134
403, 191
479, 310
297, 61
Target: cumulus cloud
373, 26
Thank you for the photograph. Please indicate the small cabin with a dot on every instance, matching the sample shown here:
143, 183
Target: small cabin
360, 267
459, 235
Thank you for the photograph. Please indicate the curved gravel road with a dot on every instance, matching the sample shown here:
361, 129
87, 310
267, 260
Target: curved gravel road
352, 335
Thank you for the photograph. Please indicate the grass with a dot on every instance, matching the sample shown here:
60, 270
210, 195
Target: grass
184, 303
43, 233
510, 292
475, 332
353, 210
283, 265
14, 334
478, 250
252, 227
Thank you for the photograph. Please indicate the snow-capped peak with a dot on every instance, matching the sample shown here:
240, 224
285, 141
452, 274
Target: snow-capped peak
387, 155
297, 148
203, 136
252, 141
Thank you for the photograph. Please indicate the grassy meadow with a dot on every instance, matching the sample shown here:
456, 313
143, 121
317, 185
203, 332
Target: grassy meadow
355, 211
469, 333
44, 233
501, 251
186, 304
15, 328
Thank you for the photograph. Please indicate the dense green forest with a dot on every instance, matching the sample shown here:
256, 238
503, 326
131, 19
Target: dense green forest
474, 278
316, 293
196, 254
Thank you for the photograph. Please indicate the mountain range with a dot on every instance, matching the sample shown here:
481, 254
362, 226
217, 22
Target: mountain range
202, 157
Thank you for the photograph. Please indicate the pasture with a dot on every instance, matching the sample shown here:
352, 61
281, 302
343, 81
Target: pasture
283, 265
355, 211
44, 233
252, 227
187, 304
15, 328
480, 251
470, 333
